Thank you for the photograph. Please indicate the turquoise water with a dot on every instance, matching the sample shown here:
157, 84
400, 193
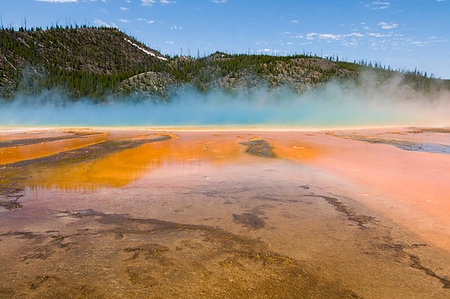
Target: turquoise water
331, 105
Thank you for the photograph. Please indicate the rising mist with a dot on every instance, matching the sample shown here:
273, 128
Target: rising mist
336, 104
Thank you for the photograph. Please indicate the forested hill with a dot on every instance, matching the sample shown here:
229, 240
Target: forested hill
96, 62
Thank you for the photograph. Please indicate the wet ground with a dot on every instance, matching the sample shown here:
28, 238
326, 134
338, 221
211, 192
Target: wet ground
141, 213
404, 144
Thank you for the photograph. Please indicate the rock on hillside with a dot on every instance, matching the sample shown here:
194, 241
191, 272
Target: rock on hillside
96, 62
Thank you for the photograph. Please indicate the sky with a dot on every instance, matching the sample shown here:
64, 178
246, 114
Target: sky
405, 34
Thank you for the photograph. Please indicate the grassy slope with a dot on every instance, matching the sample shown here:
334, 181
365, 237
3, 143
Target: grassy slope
95, 62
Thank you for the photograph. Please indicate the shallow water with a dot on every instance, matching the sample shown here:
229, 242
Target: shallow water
200, 216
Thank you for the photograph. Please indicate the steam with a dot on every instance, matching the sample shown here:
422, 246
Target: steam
332, 105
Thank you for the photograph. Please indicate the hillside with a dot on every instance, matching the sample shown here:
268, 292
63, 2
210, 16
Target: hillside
96, 62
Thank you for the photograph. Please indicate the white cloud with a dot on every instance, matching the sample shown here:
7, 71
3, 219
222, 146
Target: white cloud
124, 8
267, 51
314, 35
352, 43
170, 42
100, 23
219, 1
294, 21
357, 34
175, 27
148, 2
379, 5
58, 1
145, 20
347, 40
432, 40
124, 20
378, 35
329, 36
151, 2
386, 26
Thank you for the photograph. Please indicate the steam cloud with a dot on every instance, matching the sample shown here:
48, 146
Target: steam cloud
333, 105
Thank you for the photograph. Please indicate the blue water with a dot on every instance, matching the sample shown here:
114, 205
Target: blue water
332, 105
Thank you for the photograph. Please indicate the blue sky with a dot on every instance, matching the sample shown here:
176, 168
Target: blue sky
401, 33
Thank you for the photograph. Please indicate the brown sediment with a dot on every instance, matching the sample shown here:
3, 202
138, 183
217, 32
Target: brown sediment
152, 136
393, 133
417, 263
266, 198
31, 151
414, 260
38, 254
10, 204
154, 258
21, 235
251, 220
10, 193
429, 130
259, 147
40, 280
361, 220
148, 250
90, 152
29, 141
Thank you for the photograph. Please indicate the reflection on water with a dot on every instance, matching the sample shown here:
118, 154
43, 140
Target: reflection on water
188, 152
122, 168
119, 169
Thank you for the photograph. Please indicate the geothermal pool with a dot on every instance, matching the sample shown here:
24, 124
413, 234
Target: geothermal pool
102, 212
